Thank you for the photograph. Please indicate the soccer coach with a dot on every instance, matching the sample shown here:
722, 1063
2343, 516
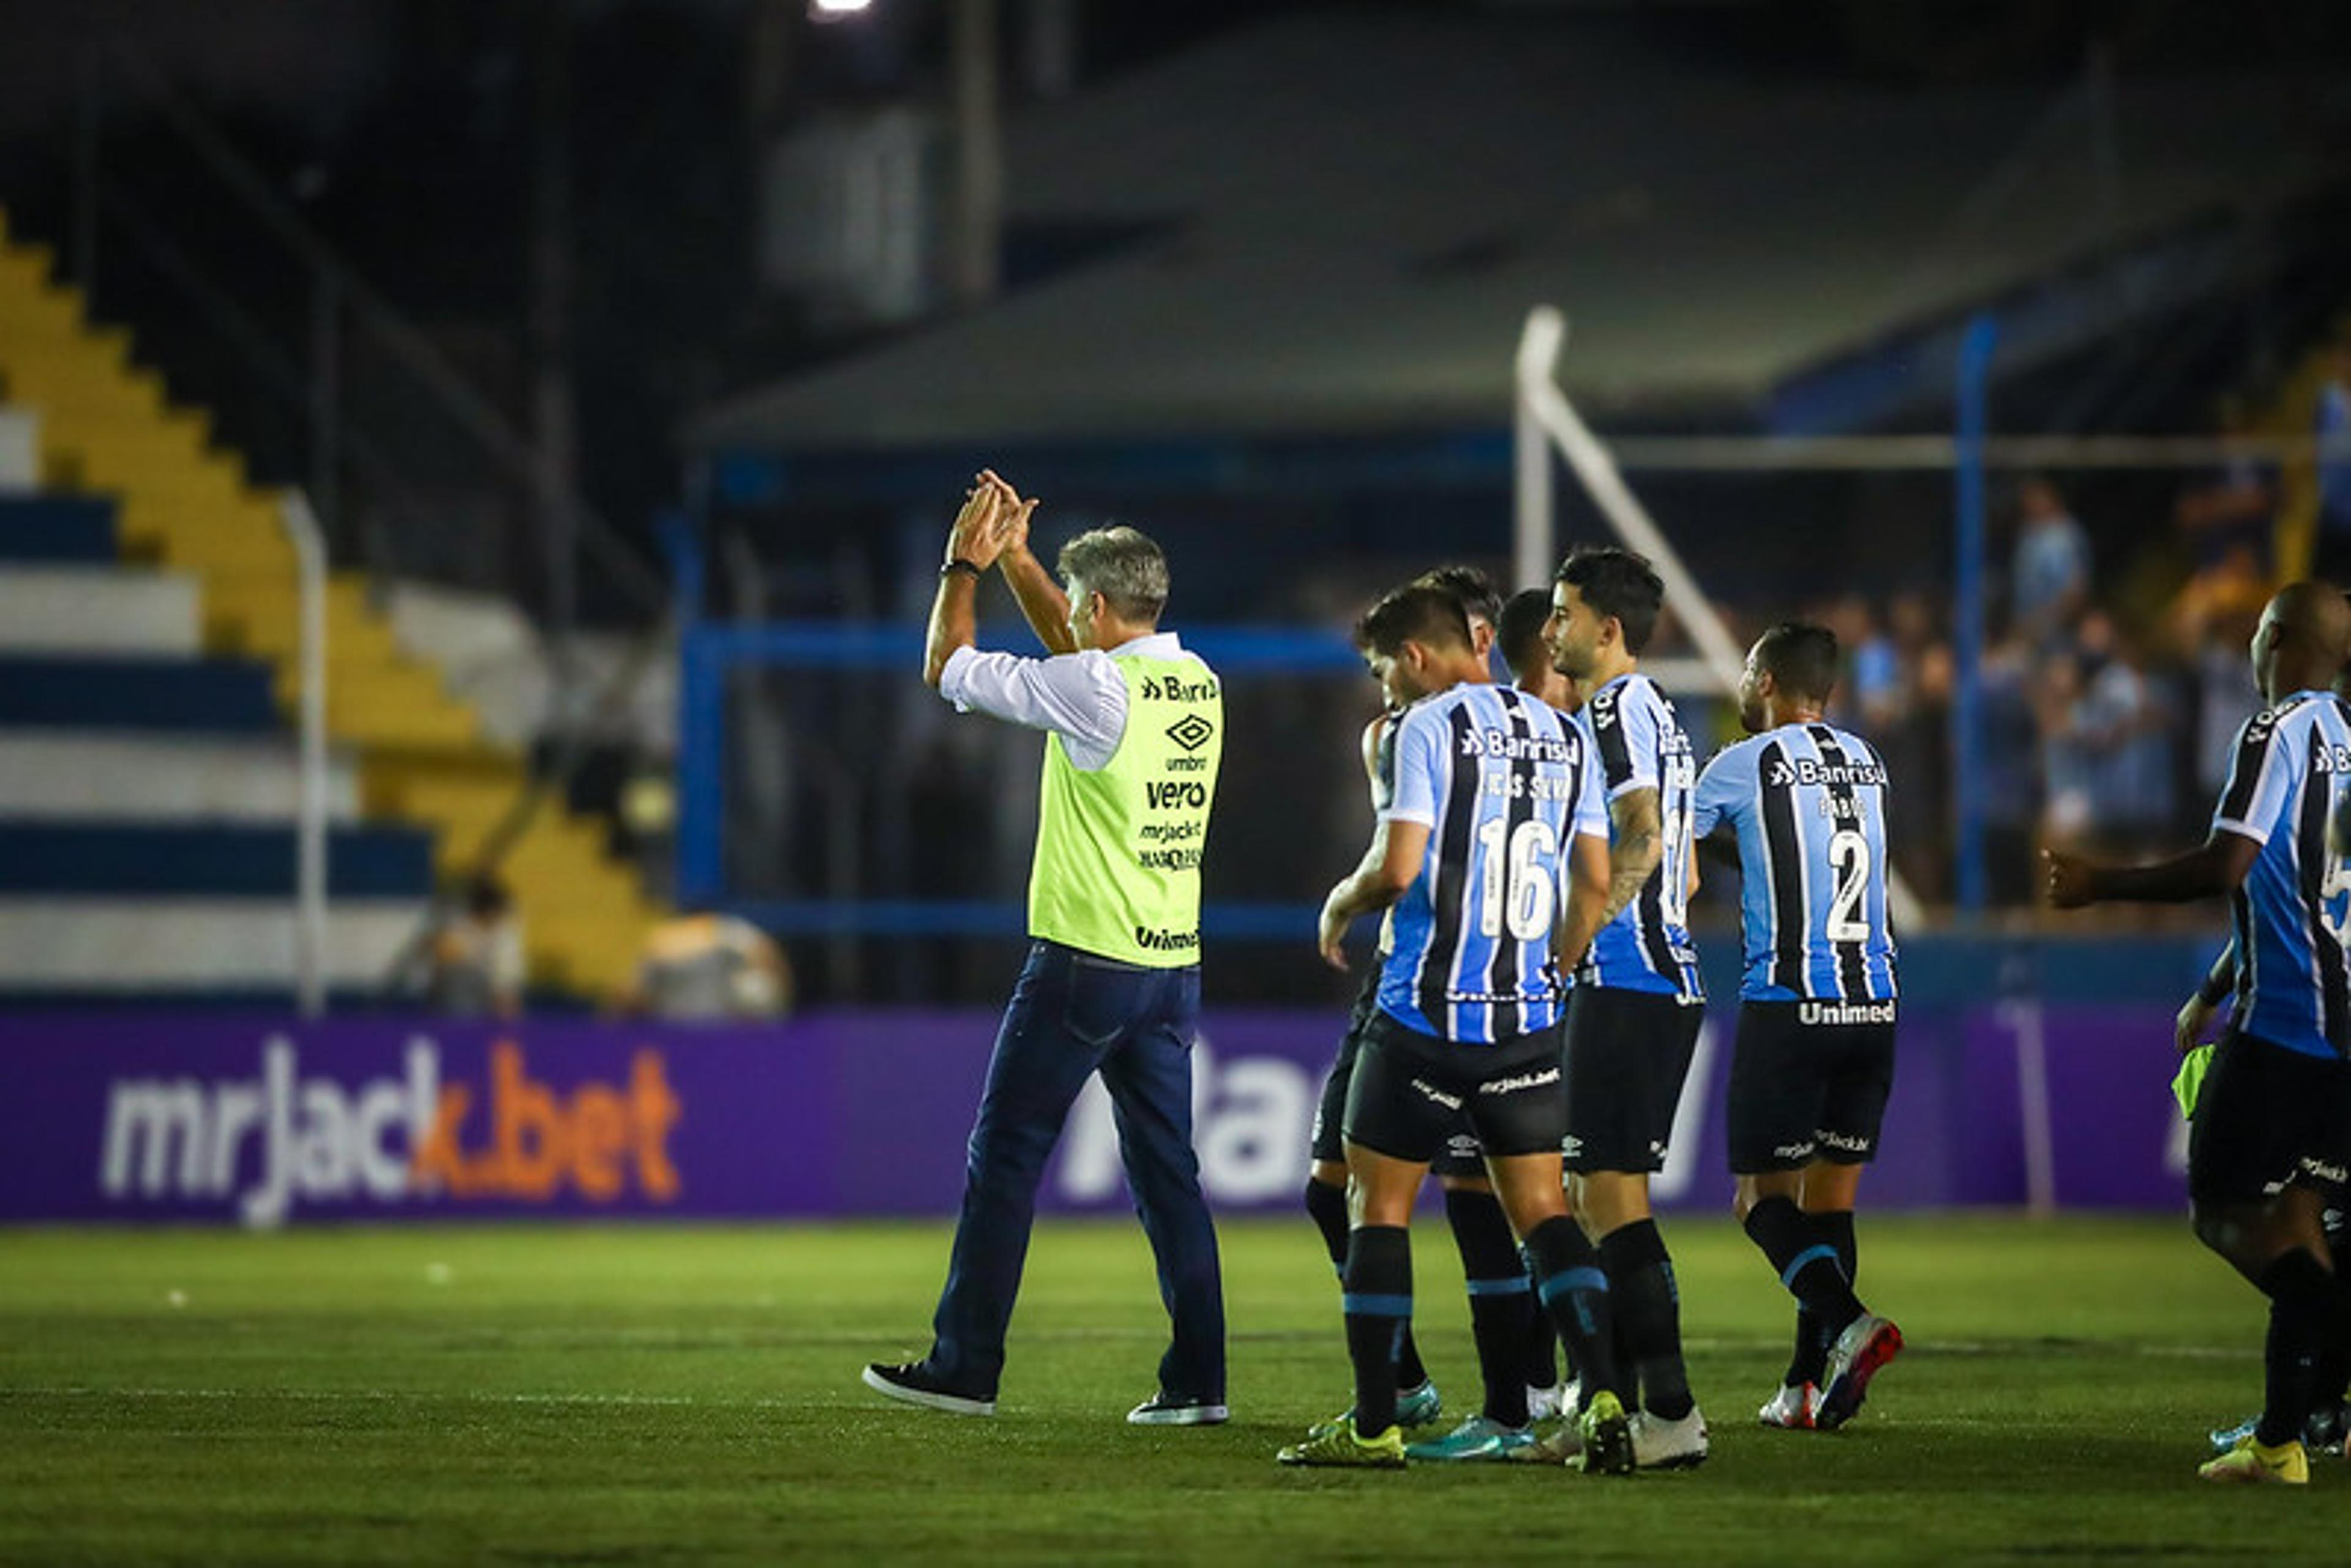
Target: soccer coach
1135, 731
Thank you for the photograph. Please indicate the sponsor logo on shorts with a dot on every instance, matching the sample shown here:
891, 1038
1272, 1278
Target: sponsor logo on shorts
1519, 1081
1834, 1014
1803, 1151
2321, 1171
1462, 1147
1429, 1092
1845, 1142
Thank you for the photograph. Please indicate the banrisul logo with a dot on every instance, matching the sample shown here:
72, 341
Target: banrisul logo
1191, 732
274, 1142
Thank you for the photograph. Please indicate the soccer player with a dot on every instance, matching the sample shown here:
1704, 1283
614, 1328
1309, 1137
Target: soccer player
1632, 1021
1814, 1057
1514, 1358
1519, 634
2330, 1412
1494, 833
2273, 1122
1111, 985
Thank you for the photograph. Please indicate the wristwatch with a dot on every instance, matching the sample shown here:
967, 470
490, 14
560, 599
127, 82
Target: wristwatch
953, 564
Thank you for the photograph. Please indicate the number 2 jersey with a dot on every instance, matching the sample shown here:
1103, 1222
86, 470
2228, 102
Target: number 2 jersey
2290, 762
1502, 780
1638, 743
1808, 803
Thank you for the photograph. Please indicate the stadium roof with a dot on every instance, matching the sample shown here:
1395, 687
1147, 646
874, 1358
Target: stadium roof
1359, 207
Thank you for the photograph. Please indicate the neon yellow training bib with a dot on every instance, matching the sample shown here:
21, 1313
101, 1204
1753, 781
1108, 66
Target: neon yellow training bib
1117, 872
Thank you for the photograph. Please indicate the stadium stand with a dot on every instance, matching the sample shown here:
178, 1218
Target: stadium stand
148, 633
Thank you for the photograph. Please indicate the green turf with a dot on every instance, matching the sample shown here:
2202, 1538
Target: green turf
638, 1395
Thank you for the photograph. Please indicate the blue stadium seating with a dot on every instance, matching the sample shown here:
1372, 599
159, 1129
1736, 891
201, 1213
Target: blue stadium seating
210, 859
82, 692
55, 529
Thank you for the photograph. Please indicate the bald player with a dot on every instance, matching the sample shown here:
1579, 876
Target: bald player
2273, 1123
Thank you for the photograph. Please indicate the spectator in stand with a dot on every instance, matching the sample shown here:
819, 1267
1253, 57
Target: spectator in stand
2066, 758
702, 965
2126, 720
473, 962
2010, 782
2229, 523
2332, 559
2050, 577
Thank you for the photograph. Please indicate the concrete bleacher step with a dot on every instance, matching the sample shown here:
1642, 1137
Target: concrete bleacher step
58, 528
81, 946
159, 491
96, 609
118, 860
59, 691
71, 773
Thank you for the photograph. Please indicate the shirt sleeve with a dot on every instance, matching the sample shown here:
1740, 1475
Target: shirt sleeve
1725, 783
1625, 728
2260, 773
1079, 696
1419, 760
1589, 815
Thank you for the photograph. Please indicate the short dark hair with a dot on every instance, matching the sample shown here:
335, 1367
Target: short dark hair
1124, 567
1419, 612
1519, 630
1617, 583
1480, 601
1802, 656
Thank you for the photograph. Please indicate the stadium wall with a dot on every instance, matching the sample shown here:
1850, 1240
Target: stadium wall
264, 1120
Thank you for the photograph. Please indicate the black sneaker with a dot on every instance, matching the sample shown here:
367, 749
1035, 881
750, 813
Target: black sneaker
1177, 1410
914, 1383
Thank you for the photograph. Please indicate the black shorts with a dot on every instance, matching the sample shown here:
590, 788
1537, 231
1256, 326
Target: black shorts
1461, 1156
1413, 1093
1802, 1091
2267, 1117
1627, 1054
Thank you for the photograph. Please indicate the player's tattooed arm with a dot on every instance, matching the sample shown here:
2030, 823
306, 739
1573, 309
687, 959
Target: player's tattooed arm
1588, 879
2215, 868
1384, 876
1636, 841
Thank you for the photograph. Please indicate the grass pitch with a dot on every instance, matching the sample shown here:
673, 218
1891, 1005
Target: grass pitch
648, 1395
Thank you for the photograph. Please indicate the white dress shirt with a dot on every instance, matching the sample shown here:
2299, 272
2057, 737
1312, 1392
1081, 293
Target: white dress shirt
1079, 697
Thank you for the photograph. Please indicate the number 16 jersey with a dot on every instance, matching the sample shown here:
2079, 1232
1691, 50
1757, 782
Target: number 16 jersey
1502, 782
1808, 803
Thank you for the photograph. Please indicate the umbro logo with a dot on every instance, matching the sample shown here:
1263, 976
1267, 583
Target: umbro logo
1191, 732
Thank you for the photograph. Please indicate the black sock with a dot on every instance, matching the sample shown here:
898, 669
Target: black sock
2305, 1304
1543, 1346
1810, 1363
1378, 1301
1641, 1280
2331, 1381
1574, 1291
1501, 1300
1327, 1206
1806, 1258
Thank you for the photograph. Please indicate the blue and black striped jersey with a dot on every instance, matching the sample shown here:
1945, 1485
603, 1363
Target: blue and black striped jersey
1808, 804
2291, 762
1504, 781
1639, 745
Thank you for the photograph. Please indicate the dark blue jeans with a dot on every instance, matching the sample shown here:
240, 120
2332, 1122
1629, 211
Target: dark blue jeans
1072, 1016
